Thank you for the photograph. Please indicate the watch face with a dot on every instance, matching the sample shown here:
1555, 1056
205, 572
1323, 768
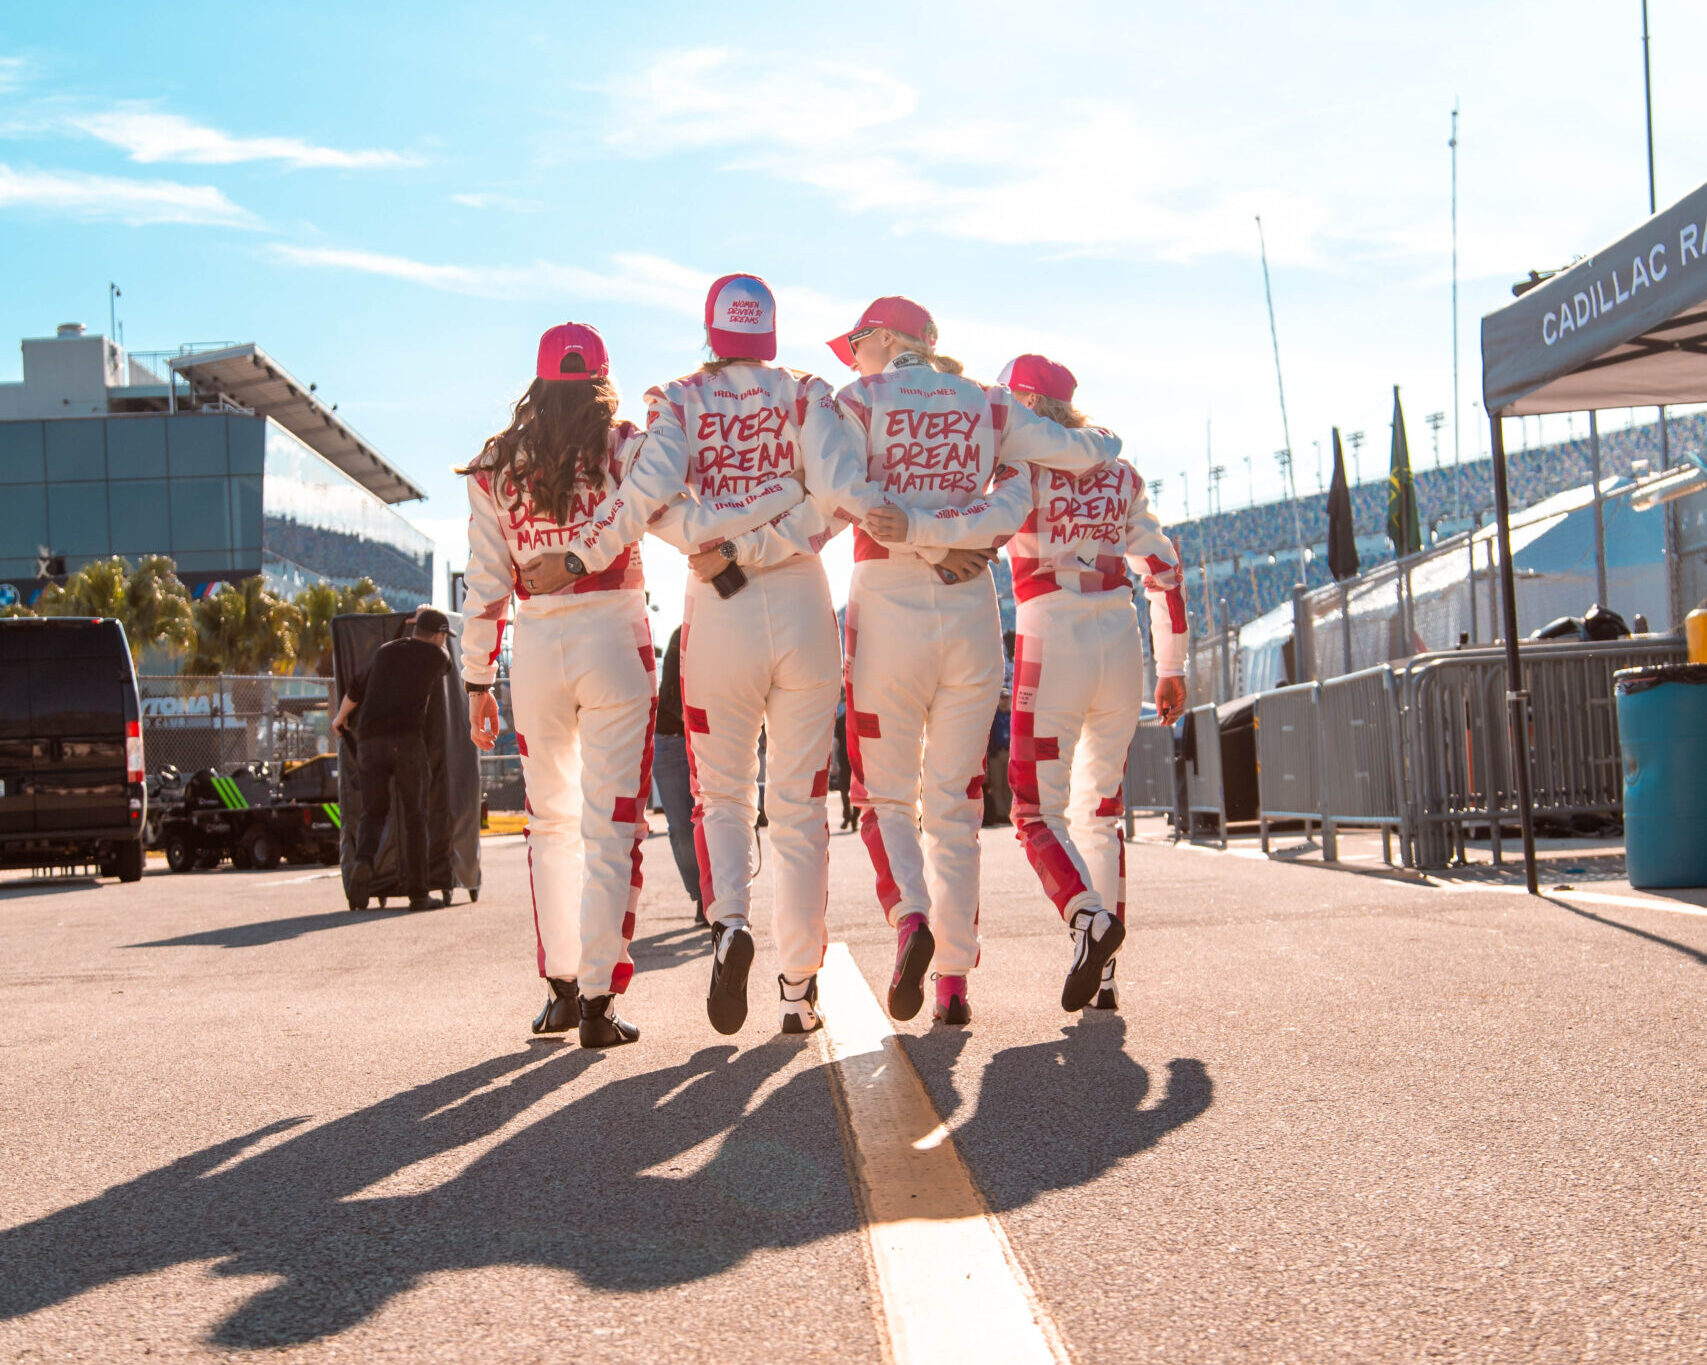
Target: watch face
727, 549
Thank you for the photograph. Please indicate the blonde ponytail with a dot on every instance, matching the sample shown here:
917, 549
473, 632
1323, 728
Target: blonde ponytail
947, 364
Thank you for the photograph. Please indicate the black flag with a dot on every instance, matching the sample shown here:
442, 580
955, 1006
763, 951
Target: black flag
1342, 534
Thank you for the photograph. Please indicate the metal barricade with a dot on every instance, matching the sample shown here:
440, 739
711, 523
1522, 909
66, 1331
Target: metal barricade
224, 720
501, 782
1149, 786
1204, 794
1458, 758
1287, 723
1359, 759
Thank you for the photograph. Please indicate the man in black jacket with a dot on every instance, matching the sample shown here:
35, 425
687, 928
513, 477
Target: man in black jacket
392, 698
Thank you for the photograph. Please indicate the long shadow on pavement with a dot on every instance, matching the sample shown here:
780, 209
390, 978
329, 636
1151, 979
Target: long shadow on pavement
1693, 953
647, 1181
1059, 1113
270, 931
589, 1187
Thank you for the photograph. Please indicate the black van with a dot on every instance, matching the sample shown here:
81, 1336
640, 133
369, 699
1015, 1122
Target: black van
71, 770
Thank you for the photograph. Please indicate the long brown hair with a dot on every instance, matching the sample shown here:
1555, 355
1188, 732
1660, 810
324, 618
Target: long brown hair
556, 440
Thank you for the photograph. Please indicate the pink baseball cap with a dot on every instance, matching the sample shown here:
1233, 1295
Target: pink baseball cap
740, 318
567, 339
1040, 375
894, 312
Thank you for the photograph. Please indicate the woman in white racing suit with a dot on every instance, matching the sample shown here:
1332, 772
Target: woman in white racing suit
924, 659
1078, 669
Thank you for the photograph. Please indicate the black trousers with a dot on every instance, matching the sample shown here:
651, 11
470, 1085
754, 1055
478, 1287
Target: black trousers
401, 760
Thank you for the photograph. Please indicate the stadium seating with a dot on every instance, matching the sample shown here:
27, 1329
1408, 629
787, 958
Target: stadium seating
1244, 541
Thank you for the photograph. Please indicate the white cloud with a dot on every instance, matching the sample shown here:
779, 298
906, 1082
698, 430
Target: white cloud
11, 72
151, 136
649, 281
508, 202
130, 201
710, 97
1090, 176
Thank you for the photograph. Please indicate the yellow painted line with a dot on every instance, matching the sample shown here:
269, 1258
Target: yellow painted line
950, 1283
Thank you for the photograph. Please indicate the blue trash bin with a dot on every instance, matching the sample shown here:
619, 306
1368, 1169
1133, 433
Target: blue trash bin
1662, 726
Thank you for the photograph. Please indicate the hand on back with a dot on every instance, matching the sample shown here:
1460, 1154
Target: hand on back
544, 574
965, 564
888, 523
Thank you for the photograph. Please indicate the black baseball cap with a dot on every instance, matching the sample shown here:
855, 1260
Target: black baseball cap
430, 621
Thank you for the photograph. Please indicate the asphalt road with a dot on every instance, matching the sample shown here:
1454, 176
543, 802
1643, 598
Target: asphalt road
1341, 1117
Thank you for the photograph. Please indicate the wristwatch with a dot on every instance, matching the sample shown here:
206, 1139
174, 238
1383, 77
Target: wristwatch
473, 687
727, 550
572, 563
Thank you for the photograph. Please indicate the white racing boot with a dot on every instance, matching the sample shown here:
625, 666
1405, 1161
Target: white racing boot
800, 1004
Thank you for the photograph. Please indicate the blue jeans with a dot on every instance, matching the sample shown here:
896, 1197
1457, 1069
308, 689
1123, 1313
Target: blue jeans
670, 769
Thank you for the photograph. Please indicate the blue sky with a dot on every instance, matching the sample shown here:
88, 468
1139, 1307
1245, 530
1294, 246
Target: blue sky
395, 199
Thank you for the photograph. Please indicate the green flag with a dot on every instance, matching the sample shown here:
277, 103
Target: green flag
1402, 524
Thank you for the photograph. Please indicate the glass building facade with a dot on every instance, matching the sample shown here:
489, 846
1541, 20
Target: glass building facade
224, 495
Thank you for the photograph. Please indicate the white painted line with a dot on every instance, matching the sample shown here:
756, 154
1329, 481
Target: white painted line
951, 1286
1586, 897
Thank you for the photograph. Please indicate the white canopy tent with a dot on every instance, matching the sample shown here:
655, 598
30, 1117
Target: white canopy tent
1625, 327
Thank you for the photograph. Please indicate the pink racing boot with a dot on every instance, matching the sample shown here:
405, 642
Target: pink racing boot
913, 949
953, 1005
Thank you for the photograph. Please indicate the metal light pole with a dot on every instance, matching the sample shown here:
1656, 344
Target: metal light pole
1436, 420
1670, 514
1250, 482
1599, 508
1354, 439
1456, 457
1283, 458
1280, 385
1648, 100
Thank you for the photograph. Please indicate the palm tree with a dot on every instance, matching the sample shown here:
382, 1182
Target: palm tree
151, 604
244, 628
319, 603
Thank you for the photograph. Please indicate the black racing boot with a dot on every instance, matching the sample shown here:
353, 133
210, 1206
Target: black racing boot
699, 915
800, 1005
601, 1026
1108, 994
1097, 936
562, 1010
731, 957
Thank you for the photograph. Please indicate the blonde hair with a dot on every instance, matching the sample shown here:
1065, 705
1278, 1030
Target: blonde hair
1057, 410
947, 364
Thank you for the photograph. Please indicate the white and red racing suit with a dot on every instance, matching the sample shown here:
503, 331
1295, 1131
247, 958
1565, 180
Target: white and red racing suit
583, 693
768, 656
1079, 673
924, 659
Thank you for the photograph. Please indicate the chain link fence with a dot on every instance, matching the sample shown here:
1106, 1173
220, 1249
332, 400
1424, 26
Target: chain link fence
222, 721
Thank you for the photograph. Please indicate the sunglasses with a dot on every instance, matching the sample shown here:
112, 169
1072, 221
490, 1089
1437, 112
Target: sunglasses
855, 337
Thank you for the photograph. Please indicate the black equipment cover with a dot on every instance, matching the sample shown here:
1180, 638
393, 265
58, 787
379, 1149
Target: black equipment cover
453, 764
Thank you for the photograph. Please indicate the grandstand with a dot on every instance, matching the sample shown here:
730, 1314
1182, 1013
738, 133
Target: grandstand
1256, 551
